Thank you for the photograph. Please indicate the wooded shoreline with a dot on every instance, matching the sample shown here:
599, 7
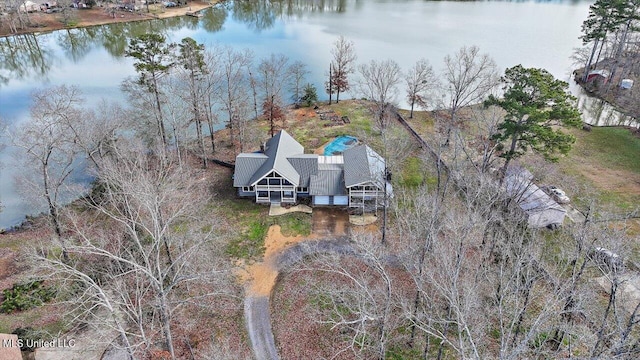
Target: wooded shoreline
43, 23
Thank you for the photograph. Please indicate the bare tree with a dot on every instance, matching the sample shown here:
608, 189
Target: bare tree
233, 90
17, 16
480, 149
421, 83
297, 72
378, 82
341, 66
48, 142
273, 75
359, 299
469, 77
178, 116
140, 262
194, 71
212, 84
96, 132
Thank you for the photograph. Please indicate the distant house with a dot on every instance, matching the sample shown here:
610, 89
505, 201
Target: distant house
599, 75
282, 173
540, 208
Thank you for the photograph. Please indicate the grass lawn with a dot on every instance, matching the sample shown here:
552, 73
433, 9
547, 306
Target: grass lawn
618, 148
252, 222
608, 159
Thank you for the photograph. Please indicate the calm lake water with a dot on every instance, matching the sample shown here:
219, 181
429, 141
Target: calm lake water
533, 33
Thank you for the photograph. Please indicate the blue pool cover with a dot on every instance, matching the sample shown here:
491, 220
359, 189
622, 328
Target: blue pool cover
339, 145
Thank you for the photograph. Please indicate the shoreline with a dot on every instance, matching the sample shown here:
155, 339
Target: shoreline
626, 102
43, 23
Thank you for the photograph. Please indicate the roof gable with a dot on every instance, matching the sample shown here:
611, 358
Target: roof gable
278, 149
246, 165
361, 165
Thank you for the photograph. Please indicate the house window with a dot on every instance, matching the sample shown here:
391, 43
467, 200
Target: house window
274, 181
286, 182
287, 195
262, 182
247, 188
303, 190
263, 194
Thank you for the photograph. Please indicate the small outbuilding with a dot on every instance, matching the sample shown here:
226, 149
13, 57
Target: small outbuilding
599, 75
540, 208
626, 84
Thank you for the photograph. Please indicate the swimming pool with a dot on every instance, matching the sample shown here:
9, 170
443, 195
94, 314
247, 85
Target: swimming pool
339, 145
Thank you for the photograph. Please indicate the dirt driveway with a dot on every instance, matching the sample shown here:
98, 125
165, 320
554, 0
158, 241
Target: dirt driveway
329, 222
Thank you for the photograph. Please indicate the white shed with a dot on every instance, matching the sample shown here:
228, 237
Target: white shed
626, 84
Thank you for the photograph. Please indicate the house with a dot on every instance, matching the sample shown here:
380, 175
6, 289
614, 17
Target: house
600, 75
282, 173
540, 208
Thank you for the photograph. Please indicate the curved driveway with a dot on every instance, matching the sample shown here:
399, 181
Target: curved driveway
256, 307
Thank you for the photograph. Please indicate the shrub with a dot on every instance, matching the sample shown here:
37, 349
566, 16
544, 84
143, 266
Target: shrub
25, 296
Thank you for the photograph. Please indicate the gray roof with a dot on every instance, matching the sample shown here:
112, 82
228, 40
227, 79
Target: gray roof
540, 208
328, 181
278, 149
362, 165
246, 165
306, 165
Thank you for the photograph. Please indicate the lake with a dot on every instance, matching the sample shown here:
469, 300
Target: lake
532, 33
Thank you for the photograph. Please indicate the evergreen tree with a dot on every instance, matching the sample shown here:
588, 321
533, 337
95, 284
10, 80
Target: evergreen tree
535, 103
154, 58
309, 95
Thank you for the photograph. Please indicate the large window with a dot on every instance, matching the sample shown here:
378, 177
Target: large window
287, 195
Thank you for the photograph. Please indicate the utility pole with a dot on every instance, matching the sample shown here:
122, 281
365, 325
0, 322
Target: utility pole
271, 114
330, 83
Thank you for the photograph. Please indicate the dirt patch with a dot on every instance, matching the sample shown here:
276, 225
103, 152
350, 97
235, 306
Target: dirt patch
7, 268
320, 150
362, 220
261, 277
329, 221
612, 180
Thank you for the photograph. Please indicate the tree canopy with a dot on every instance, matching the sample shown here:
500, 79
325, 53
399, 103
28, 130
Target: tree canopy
535, 104
154, 59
